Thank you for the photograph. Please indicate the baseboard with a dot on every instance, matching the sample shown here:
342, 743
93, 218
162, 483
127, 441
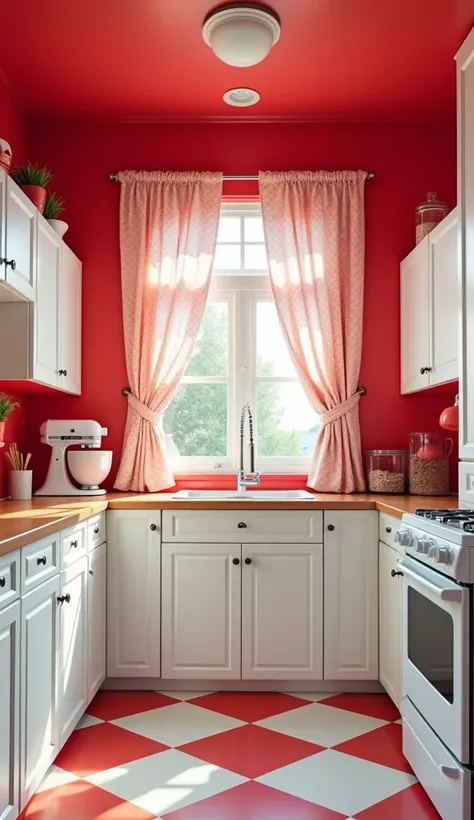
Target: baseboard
161, 685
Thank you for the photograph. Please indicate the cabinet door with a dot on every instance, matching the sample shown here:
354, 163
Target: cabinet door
20, 241
414, 319
3, 195
96, 606
70, 321
390, 625
9, 710
201, 611
46, 308
133, 594
282, 611
465, 154
39, 726
351, 597
443, 242
73, 647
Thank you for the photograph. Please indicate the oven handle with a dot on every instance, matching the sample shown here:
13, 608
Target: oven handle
445, 594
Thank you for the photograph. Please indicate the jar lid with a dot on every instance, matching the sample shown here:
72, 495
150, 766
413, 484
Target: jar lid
431, 204
386, 452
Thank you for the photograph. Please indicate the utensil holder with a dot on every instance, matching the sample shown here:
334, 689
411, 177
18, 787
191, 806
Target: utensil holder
20, 484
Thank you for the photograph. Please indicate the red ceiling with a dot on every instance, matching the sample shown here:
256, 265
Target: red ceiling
140, 59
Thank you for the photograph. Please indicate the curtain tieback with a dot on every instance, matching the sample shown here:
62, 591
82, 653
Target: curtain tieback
340, 409
145, 412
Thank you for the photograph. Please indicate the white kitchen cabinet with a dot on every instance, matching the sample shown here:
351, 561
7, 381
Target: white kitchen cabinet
17, 240
201, 606
351, 595
390, 622
9, 710
429, 313
242, 526
133, 593
282, 611
96, 619
70, 322
46, 307
465, 154
73, 647
39, 679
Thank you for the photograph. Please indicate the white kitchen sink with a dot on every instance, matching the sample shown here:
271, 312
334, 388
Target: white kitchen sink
235, 495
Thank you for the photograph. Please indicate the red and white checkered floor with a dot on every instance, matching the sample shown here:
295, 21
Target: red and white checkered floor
233, 756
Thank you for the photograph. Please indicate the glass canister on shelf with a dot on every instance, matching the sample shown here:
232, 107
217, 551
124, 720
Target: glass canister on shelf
429, 464
428, 214
386, 470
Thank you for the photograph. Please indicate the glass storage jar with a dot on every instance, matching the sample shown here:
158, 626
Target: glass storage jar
429, 464
428, 214
386, 470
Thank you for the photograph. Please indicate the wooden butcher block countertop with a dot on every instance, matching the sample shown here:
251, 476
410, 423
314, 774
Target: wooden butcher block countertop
22, 522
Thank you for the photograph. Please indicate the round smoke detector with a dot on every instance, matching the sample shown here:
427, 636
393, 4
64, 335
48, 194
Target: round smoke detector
241, 97
241, 35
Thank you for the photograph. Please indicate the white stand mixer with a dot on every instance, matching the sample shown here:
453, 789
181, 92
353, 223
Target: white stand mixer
88, 466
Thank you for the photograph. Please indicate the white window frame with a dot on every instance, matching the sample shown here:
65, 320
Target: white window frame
241, 291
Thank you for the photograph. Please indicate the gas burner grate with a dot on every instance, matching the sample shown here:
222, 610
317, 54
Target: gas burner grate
447, 516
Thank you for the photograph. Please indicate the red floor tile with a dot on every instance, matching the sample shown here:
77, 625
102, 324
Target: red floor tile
249, 706
114, 705
376, 706
250, 750
409, 804
254, 801
382, 746
81, 801
103, 746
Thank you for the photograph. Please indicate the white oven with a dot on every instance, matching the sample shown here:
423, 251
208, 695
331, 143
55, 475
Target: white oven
437, 652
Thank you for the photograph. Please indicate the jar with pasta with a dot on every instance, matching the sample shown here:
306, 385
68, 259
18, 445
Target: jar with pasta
429, 464
428, 214
386, 470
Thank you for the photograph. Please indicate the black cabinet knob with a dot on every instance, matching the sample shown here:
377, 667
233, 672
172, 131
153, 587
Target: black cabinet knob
424, 370
67, 598
2, 581
96, 530
9, 263
64, 599
236, 561
241, 525
388, 529
331, 527
91, 572
248, 561
41, 560
62, 372
153, 527
74, 544
395, 572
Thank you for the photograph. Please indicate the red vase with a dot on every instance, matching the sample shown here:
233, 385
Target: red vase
36, 194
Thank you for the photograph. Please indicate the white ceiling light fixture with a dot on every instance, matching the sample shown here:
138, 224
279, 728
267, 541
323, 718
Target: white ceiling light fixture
241, 35
241, 97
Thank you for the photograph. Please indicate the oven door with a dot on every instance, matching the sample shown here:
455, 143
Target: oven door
436, 632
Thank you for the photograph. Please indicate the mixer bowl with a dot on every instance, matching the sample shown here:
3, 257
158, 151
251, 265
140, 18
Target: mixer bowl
89, 467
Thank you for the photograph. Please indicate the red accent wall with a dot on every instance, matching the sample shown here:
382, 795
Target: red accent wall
13, 129
408, 161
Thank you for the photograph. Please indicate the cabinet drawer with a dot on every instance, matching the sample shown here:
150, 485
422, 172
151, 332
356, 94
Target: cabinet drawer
39, 561
73, 544
388, 525
240, 526
96, 531
9, 578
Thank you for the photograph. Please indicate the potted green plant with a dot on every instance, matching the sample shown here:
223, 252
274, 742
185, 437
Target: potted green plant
53, 208
7, 406
33, 181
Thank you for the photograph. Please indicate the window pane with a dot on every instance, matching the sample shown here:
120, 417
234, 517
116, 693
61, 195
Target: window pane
229, 229
227, 257
286, 424
210, 351
255, 257
273, 358
196, 421
254, 229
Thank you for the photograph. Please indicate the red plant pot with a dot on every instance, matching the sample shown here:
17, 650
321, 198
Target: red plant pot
2, 430
36, 194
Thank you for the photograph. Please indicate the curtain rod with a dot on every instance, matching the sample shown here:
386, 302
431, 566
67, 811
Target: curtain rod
237, 177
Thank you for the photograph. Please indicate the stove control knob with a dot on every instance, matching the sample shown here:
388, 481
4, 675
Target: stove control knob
415, 543
398, 536
444, 555
423, 546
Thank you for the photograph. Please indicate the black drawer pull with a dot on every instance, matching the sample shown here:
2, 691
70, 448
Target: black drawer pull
236, 561
153, 527
395, 572
64, 599
9, 263
41, 560
96, 530
248, 561
91, 572
3, 581
388, 529
74, 544
241, 525
331, 527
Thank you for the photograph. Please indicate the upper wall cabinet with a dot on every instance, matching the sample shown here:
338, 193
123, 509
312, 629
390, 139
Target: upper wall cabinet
17, 241
429, 309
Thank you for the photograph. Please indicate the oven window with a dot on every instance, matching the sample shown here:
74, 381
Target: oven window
431, 642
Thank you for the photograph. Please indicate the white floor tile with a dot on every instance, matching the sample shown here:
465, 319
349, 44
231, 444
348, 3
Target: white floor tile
177, 724
88, 720
185, 695
165, 782
339, 782
311, 696
321, 724
56, 777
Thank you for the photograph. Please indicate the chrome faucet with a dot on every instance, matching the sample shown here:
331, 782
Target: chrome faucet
242, 481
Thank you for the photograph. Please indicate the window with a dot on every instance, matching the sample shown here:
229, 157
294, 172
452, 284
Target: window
240, 355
